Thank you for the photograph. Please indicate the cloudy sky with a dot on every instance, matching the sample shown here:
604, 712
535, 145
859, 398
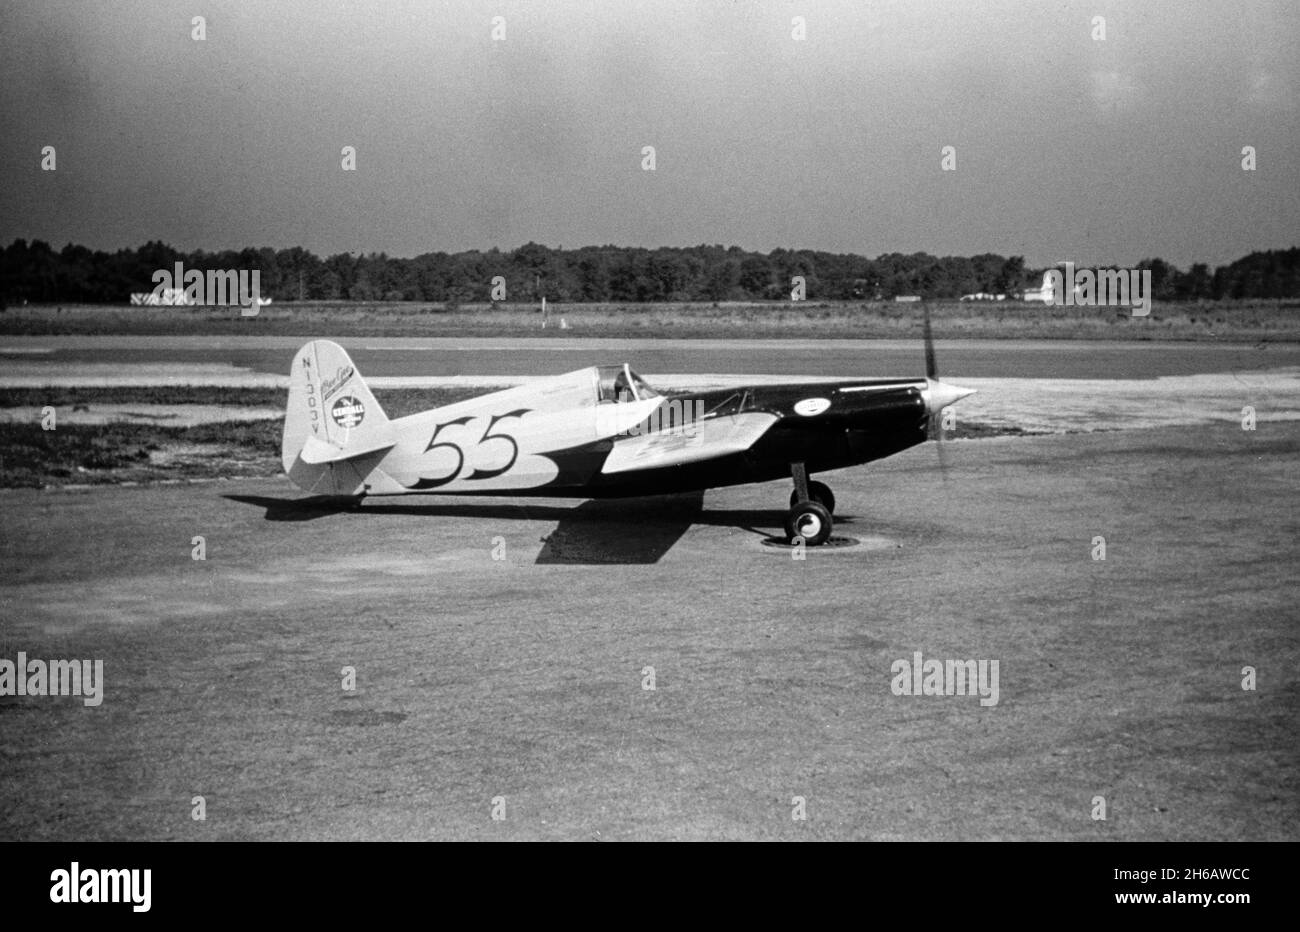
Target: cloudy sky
1066, 147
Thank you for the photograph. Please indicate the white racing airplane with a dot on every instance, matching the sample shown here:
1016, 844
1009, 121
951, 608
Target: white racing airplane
601, 432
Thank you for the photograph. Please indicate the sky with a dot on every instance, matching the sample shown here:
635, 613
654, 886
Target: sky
1066, 147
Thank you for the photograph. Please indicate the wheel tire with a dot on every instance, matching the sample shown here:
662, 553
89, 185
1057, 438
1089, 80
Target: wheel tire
818, 492
811, 521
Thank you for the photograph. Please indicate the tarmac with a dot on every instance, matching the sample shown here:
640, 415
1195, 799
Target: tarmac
651, 670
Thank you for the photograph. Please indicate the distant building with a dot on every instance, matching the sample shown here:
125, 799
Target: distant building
168, 296
1043, 292
173, 297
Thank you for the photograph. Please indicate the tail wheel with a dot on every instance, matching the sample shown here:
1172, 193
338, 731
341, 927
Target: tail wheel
818, 492
810, 521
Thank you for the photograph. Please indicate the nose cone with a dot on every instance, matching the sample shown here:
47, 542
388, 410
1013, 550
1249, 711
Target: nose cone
938, 395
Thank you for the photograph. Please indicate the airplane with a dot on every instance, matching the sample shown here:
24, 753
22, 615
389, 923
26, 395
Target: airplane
602, 432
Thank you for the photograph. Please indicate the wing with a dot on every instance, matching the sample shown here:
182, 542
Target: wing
700, 440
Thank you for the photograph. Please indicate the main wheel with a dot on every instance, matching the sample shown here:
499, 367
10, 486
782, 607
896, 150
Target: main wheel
810, 521
820, 493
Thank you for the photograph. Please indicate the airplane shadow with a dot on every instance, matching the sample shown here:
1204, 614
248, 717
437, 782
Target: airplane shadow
598, 531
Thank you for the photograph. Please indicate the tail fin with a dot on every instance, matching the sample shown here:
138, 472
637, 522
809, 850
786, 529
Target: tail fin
332, 418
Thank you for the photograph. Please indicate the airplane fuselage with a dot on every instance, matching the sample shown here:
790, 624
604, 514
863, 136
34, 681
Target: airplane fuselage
595, 432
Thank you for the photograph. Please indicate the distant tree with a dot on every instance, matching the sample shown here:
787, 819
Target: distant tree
1163, 278
755, 275
1195, 284
343, 270
1011, 277
33, 271
722, 278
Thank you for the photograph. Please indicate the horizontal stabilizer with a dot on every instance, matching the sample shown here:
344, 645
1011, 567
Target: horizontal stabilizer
319, 451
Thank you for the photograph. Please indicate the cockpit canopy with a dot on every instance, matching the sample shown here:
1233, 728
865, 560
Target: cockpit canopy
616, 384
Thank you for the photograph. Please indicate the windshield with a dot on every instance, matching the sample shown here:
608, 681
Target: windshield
620, 384
643, 389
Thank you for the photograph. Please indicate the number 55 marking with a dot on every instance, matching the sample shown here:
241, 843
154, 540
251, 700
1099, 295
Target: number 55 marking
425, 483
488, 435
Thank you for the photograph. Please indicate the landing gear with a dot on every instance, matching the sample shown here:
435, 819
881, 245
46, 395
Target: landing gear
818, 492
811, 506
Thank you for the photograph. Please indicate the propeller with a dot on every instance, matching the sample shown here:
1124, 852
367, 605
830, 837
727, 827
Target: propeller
933, 428
938, 395
931, 365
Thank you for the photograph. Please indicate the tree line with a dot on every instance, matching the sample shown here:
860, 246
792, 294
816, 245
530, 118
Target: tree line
35, 272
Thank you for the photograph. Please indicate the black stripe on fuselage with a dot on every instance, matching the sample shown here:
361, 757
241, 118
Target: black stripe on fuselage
883, 417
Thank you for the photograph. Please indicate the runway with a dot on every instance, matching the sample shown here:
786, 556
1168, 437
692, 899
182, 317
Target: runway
435, 357
1030, 386
524, 677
